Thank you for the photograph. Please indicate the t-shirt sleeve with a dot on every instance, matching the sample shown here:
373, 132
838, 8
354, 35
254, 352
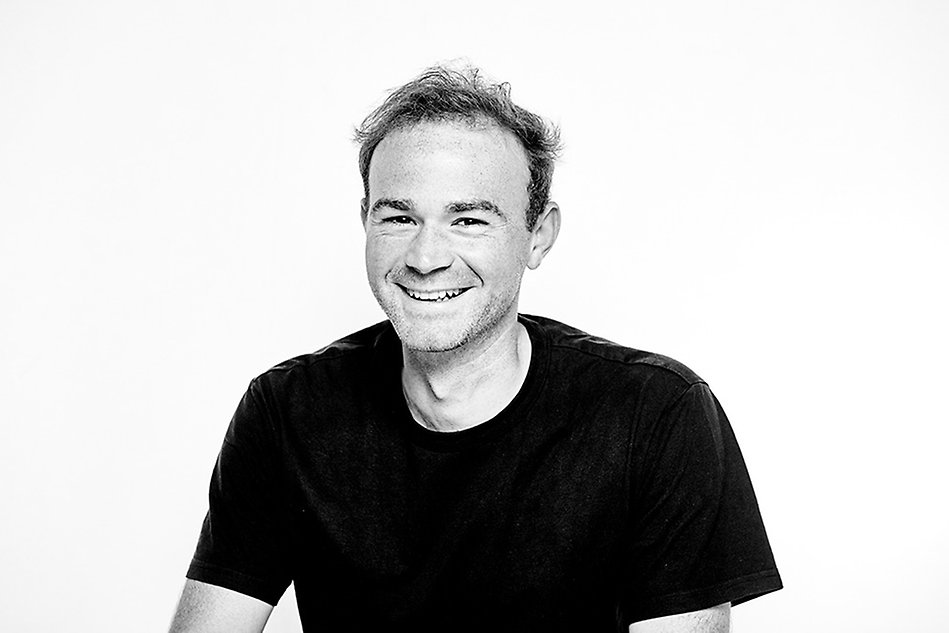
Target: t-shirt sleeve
697, 535
245, 539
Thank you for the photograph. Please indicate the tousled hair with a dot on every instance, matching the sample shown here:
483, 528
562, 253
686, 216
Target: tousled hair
445, 94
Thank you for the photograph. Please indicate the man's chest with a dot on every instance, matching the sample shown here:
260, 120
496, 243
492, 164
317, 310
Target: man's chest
530, 521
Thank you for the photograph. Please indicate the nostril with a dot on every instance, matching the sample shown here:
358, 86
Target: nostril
427, 252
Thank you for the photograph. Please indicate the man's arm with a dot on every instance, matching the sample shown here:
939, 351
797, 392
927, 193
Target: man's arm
205, 608
714, 620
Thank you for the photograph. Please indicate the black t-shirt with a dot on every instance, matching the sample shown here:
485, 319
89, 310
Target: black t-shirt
610, 490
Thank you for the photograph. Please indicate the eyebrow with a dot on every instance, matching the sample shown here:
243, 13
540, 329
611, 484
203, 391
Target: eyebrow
393, 203
475, 205
400, 204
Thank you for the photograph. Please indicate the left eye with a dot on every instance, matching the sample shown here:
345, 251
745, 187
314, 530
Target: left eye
469, 222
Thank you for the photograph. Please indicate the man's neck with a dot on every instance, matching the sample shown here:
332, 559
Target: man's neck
451, 391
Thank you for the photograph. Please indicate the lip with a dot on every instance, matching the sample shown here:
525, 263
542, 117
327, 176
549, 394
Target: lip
433, 296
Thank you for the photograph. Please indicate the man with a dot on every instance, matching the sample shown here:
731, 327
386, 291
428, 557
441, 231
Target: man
461, 467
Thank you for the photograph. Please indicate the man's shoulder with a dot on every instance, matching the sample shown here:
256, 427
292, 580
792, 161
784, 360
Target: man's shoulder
342, 354
571, 343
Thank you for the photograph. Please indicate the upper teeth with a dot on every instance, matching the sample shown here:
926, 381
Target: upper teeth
434, 295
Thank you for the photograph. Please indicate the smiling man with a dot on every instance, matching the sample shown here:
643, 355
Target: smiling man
460, 466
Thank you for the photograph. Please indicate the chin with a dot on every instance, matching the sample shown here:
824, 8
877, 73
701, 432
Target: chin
432, 334
426, 340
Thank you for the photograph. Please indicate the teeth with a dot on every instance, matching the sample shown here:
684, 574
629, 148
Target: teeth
435, 295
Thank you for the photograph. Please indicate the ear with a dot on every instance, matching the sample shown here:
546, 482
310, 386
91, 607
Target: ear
363, 211
544, 234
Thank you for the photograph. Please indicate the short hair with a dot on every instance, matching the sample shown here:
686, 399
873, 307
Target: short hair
445, 94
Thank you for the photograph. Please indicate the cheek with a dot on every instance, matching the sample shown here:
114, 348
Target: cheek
379, 252
505, 264
376, 270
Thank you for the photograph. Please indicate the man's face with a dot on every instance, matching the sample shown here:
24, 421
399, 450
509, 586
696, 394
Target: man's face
446, 240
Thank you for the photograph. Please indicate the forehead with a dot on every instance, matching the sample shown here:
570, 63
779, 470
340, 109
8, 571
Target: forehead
450, 158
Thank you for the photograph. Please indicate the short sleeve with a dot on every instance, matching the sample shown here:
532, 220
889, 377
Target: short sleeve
697, 536
245, 539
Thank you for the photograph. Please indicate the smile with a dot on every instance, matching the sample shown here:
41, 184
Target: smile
433, 295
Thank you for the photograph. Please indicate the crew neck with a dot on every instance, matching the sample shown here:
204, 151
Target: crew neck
486, 431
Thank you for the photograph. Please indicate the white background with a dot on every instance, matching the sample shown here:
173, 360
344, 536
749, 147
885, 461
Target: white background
758, 189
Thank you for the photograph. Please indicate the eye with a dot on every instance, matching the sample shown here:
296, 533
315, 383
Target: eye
469, 222
397, 219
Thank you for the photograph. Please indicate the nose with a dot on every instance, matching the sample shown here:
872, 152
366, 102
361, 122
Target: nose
429, 251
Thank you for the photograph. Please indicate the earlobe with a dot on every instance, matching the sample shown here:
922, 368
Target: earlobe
544, 234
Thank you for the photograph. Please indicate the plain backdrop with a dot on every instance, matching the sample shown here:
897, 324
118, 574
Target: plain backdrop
758, 189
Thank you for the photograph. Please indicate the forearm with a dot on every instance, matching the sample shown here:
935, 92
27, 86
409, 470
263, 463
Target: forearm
714, 620
205, 608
